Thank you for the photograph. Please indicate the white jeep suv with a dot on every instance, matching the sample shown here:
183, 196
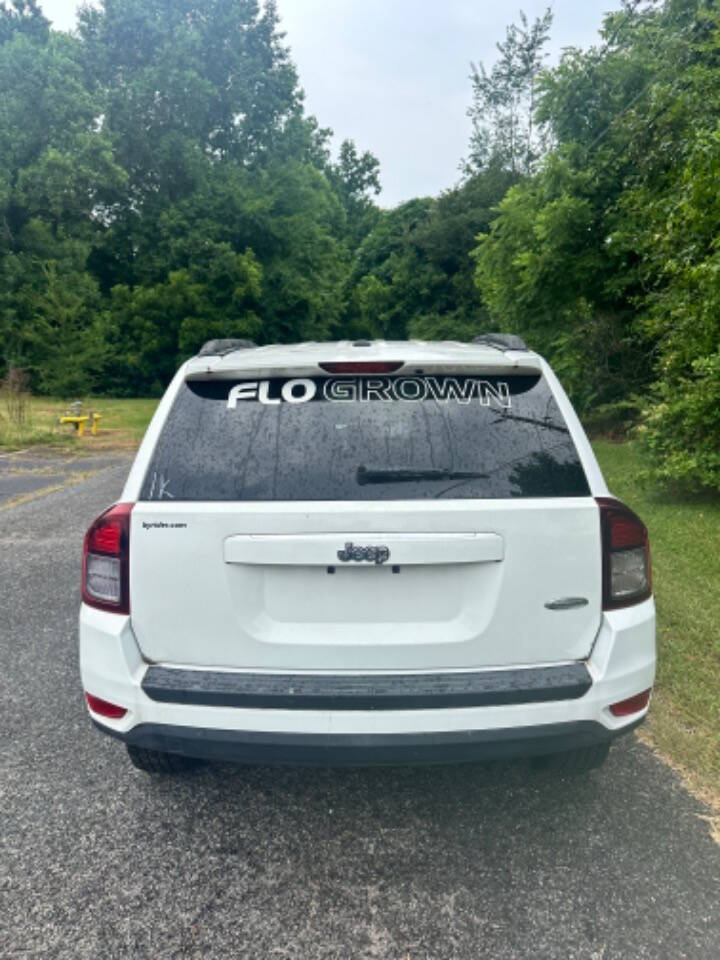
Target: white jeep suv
366, 552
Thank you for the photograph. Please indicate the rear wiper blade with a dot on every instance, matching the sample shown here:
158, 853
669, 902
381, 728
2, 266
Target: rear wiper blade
402, 475
534, 420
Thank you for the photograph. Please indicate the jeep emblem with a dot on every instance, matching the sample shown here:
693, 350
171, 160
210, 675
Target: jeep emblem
359, 554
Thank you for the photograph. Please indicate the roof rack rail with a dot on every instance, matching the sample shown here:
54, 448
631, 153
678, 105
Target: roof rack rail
218, 348
501, 341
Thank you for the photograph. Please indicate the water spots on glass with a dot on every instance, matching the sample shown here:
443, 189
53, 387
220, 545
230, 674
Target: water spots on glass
314, 450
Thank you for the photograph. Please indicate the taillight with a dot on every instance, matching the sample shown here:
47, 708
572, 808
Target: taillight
361, 366
106, 560
627, 576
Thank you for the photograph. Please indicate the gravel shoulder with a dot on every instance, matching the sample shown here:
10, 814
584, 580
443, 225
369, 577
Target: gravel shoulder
26, 474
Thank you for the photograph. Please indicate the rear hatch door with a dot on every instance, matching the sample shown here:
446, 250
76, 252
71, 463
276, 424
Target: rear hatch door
365, 523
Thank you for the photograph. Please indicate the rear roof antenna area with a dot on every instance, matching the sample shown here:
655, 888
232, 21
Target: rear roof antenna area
218, 348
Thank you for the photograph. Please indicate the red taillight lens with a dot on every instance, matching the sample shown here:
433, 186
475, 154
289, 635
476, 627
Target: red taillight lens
362, 366
632, 705
106, 538
627, 576
104, 708
106, 560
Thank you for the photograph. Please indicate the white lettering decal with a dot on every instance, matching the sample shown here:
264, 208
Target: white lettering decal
375, 388
305, 384
500, 394
242, 391
340, 390
410, 389
263, 393
450, 389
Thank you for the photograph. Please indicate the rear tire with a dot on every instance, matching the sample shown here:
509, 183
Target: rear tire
155, 761
575, 763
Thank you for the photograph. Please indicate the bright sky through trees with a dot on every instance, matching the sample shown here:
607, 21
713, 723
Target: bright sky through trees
394, 74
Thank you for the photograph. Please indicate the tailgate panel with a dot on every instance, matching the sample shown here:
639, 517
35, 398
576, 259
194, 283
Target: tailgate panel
247, 585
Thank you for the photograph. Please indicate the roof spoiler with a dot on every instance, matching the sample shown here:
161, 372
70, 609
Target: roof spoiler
501, 341
218, 348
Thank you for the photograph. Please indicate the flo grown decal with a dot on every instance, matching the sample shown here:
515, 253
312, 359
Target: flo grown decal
366, 389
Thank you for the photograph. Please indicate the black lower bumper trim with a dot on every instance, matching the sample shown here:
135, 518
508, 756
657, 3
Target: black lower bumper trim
302, 749
410, 691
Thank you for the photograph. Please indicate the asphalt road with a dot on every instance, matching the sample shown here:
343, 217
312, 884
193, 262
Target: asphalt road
99, 860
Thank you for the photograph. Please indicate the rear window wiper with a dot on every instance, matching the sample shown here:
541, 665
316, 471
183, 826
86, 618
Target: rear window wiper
404, 475
534, 420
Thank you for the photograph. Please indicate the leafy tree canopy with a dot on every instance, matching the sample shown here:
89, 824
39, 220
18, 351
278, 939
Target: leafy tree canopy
160, 184
606, 258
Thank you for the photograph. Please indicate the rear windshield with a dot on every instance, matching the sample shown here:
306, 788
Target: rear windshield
365, 438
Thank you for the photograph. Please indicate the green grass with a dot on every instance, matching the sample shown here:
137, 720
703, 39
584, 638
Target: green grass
684, 719
121, 427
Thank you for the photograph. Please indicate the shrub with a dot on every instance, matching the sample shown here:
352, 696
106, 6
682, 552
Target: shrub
615, 420
682, 430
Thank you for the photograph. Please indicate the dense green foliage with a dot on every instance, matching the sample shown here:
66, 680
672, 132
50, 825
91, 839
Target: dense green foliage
413, 275
607, 258
161, 184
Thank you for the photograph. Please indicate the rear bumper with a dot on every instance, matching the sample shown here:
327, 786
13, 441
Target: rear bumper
337, 692
298, 749
471, 718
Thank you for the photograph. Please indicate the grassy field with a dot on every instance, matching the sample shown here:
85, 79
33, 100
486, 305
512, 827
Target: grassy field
684, 719
685, 539
121, 427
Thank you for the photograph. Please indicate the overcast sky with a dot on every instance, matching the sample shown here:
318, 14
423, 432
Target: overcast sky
393, 75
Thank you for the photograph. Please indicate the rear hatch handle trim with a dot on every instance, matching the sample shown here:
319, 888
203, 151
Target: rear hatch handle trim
321, 549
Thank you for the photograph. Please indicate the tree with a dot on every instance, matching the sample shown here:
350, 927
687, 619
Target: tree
504, 133
23, 17
413, 273
606, 258
57, 171
152, 328
356, 178
182, 86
